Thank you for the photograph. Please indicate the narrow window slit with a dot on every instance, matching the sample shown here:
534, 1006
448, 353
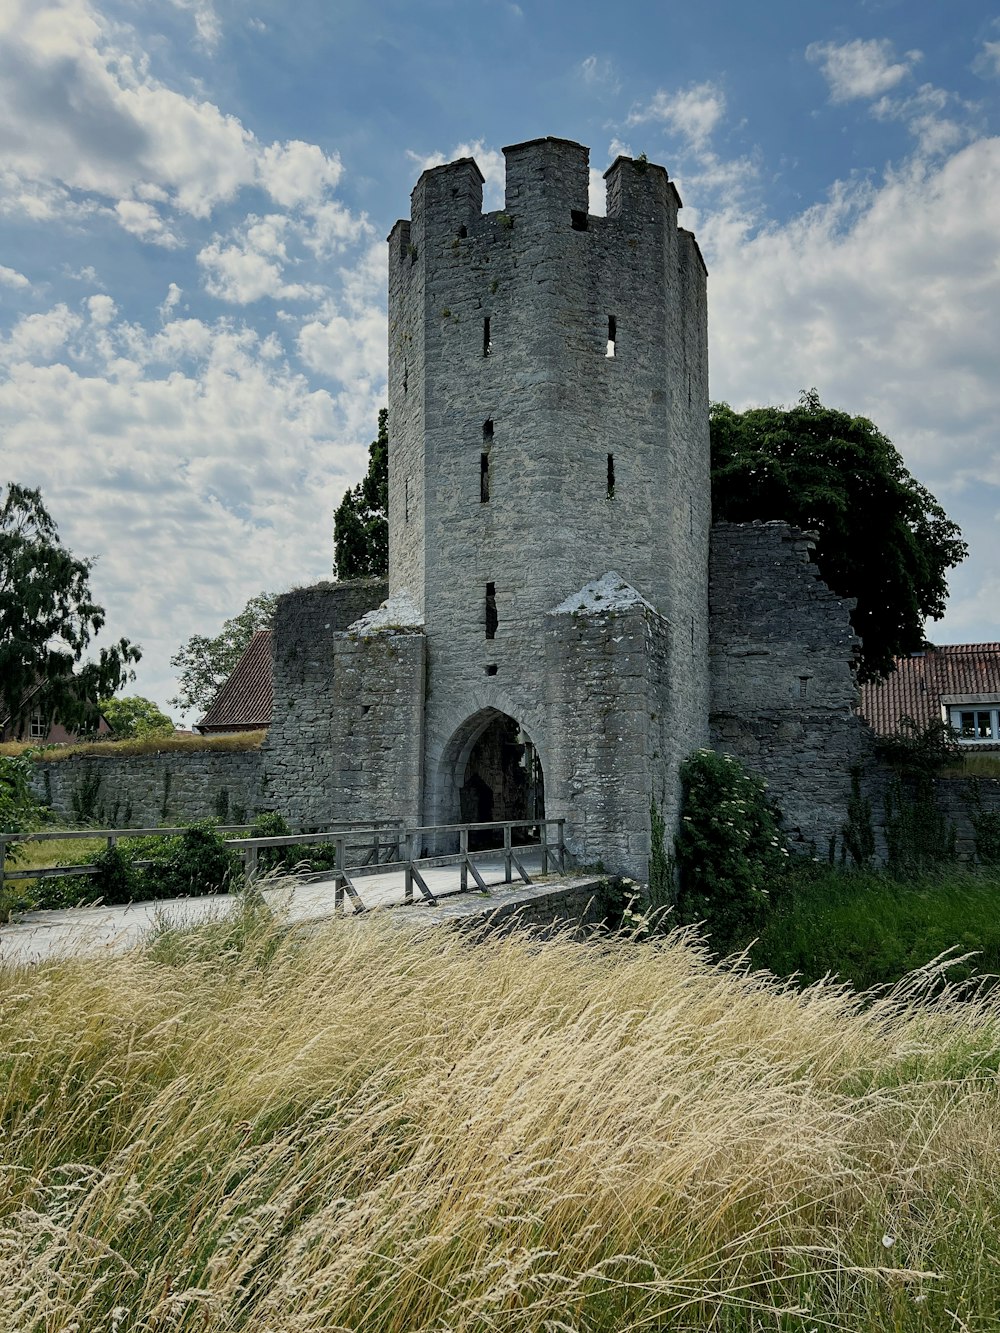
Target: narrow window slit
487, 340
611, 476
462, 233
578, 219
406, 377
612, 335
484, 478
487, 432
491, 611
406, 501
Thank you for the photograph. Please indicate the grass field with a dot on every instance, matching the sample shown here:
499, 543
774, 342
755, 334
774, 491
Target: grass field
242, 740
378, 1129
869, 929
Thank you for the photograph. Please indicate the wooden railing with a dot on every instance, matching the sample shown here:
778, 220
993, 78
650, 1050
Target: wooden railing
379, 844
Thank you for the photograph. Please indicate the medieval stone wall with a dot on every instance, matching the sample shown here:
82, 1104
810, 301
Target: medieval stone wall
147, 790
299, 756
783, 691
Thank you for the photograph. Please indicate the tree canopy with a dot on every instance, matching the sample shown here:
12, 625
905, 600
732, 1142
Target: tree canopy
204, 664
361, 520
48, 618
135, 716
882, 537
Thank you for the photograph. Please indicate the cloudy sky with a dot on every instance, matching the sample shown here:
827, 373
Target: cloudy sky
195, 194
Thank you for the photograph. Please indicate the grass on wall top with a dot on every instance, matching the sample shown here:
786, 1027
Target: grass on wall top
239, 740
391, 1130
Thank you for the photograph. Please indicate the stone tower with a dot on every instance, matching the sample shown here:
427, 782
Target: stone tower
548, 405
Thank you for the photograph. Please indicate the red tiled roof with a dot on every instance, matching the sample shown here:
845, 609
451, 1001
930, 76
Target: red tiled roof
244, 701
917, 685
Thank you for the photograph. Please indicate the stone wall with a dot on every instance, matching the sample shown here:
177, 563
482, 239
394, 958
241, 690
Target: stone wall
144, 791
959, 799
783, 690
299, 756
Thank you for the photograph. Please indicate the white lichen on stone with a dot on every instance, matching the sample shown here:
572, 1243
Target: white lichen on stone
396, 612
608, 593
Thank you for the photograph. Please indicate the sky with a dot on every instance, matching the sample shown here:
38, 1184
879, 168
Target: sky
195, 195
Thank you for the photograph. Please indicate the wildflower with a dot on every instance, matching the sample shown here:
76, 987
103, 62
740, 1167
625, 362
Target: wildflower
888, 1241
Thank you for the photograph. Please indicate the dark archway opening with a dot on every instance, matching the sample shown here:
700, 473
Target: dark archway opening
502, 780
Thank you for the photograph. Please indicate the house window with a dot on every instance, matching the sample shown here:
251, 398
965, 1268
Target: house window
977, 724
36, 727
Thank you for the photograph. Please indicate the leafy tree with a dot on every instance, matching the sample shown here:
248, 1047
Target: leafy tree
48, 618
883, 538
361, 521
135, 716
204, 664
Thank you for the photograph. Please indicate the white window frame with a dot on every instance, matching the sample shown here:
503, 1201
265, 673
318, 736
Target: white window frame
979, 708
36, 727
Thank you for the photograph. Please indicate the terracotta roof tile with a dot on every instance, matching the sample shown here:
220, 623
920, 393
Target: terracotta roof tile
244, 702
917, 685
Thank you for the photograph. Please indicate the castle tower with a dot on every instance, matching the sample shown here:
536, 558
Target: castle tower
548, 407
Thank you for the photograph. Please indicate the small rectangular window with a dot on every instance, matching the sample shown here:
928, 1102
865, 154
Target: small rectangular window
36, 727
611, 476
484, 478
491, 611
487, 340
578, 219
491, 670
487, 433
612, 335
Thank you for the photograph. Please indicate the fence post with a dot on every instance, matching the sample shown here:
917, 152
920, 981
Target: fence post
543, 829
463, 847
338, 877
561, 824
3, 857
408, 864
506, 853
249, 864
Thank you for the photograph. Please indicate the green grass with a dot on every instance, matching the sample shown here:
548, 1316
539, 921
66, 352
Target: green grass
391, 1130
871, 930
974, 766
241, 740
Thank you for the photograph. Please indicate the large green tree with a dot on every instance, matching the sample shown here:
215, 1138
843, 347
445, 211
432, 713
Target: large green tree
135, 716
48, 619
204, 664
882, 537
361, 520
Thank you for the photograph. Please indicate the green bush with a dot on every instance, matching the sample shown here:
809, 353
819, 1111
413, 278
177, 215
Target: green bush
194, 863
299, 858
730, 854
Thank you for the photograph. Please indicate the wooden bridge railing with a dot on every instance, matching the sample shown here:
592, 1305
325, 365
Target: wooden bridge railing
378, 843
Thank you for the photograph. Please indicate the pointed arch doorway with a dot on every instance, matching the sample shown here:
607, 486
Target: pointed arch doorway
496, 774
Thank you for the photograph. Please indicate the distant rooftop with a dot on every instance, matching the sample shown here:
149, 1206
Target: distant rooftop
922, 686
244, 702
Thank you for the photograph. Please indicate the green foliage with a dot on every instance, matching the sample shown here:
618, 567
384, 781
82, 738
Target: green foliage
20, 812
883, 538
870, 929
361, 521
48, 618
298, 858
134, 717
919, 837
661, 865
858, 831
730, 853
204, 664
986, 825
196, 862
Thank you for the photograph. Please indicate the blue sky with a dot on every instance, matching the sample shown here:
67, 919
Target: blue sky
195, 194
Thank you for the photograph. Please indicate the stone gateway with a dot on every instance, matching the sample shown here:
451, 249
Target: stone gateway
561, 627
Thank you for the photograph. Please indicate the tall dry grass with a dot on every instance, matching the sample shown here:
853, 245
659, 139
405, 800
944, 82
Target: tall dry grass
375, 1128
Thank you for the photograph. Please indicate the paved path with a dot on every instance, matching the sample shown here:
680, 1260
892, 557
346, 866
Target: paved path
37, 936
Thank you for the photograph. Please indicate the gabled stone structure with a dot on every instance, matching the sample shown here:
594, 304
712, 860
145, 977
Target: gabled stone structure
545, 640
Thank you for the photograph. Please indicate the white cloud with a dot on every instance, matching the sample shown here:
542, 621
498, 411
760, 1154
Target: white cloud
600, 74
938, 120
861, 68
80, 112
693, 112
217, 465
350, 349
252, 264
142, 220
206, 21
987, 62
102, 310
39, 337
9, 277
